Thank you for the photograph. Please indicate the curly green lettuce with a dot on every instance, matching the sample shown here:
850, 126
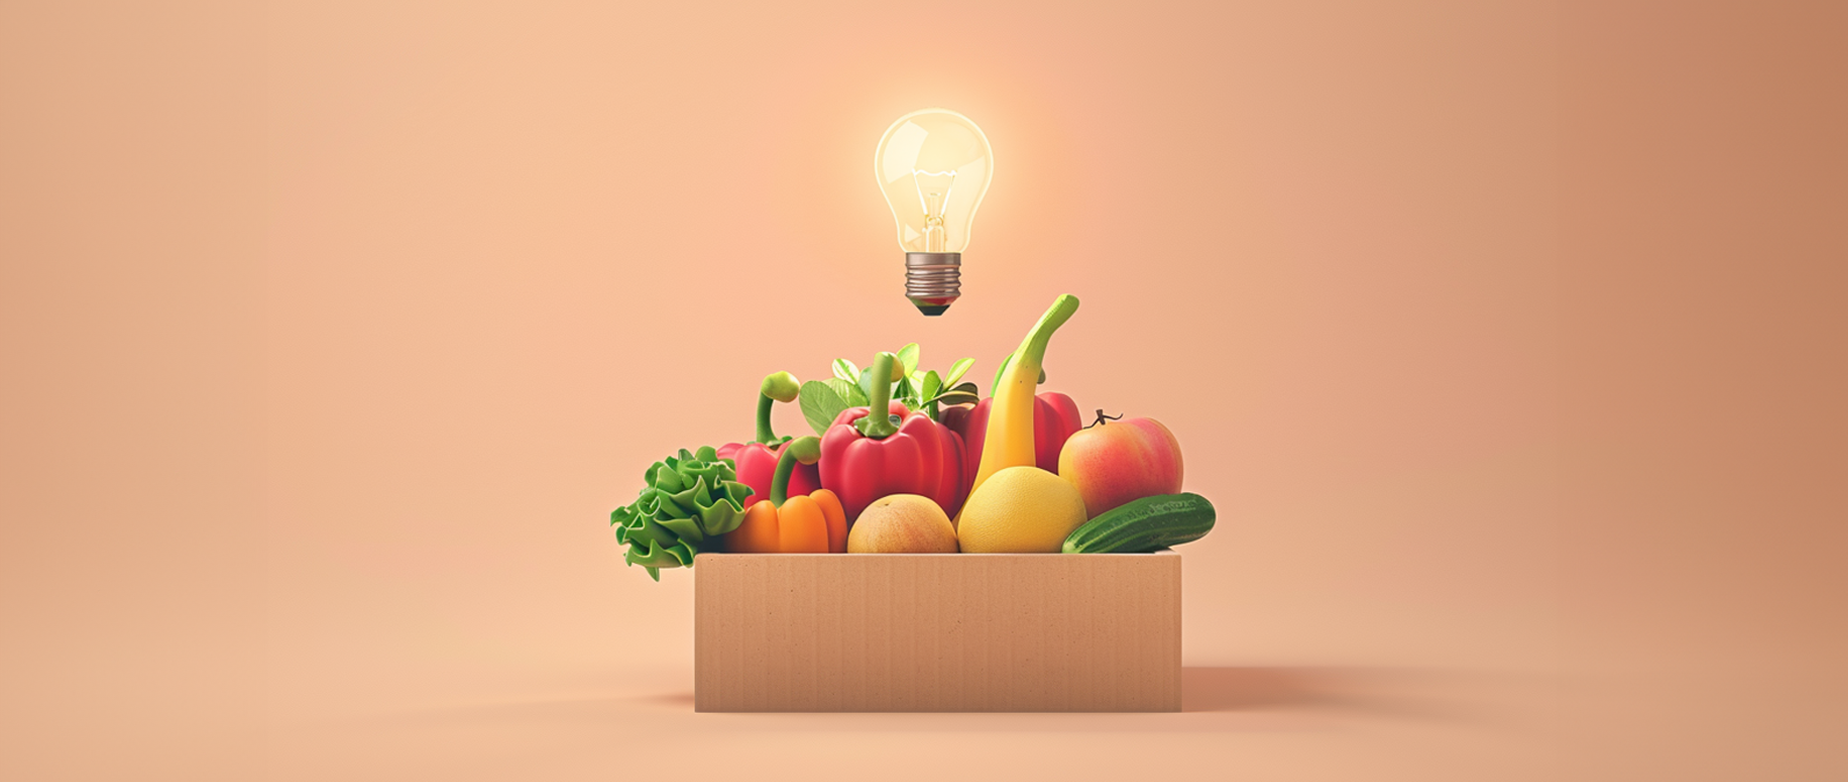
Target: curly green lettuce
688, 500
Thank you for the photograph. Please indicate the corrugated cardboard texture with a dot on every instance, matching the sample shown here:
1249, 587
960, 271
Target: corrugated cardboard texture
937, 632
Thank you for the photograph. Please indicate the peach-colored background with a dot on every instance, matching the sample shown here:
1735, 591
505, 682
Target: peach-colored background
1507, 336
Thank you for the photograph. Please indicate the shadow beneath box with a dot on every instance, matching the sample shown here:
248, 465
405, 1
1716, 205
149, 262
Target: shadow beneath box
1242, 697
1234, 689
1421, 695
587, 708
1256, 689
1242, 689
675, 699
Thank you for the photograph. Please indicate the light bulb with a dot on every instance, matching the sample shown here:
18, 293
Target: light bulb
934, 166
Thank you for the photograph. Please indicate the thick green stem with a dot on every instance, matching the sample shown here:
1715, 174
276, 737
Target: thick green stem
764, 433
777, 387
802, 449
878, 422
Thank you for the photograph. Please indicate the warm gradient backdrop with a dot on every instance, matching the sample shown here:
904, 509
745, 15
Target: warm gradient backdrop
1508, 338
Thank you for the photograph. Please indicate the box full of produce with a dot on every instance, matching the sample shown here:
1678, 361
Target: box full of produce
956, 553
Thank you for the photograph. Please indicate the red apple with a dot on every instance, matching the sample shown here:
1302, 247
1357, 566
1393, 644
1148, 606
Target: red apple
1113, 462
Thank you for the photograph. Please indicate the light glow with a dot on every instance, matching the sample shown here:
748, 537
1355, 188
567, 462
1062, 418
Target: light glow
935, 149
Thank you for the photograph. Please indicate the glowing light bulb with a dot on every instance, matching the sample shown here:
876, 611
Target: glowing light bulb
934, 166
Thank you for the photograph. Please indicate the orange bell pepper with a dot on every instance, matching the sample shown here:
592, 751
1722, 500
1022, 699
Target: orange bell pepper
807, 524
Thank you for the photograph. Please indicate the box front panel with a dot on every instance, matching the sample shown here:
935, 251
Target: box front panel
952, 632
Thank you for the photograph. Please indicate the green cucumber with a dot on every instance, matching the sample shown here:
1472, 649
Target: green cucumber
1146, 524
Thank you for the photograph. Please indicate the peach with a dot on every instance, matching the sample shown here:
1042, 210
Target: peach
902, 524
1113, 462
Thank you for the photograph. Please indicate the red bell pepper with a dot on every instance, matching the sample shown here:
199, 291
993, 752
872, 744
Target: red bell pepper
1055, 419
865, 457
792, 524
756, 461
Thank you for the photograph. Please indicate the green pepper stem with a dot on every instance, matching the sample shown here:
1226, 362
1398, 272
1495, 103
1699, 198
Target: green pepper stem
802, 449
764, 433
878, 422
777, 387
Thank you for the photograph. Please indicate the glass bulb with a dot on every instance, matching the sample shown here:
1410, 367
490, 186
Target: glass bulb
934, 166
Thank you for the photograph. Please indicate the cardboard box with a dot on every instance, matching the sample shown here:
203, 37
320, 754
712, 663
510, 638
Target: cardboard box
937, 632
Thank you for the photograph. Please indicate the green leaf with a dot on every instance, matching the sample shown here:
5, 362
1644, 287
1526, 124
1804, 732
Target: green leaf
904, 393
957, 369
848, 391
845, 370
820, 404
927, 390
908, 357
866, 382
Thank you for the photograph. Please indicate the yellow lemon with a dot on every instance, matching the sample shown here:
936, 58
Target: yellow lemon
1020, 510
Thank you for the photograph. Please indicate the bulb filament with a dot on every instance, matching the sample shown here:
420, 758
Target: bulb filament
933, 204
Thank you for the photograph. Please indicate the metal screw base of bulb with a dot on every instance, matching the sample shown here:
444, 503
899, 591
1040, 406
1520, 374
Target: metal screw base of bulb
933, 280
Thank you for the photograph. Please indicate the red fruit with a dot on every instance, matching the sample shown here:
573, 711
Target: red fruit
756, 465
923, 457
1113, 462
1055, 418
